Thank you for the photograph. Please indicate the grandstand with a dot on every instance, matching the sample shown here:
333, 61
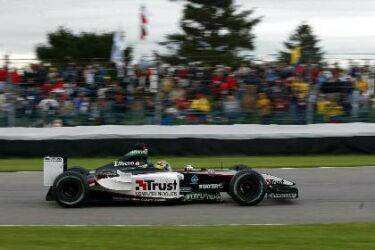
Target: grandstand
88, 92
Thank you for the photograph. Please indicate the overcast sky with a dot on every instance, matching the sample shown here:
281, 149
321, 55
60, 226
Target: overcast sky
344, 26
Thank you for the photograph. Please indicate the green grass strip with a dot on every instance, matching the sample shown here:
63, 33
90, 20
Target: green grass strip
318, 236
35, 164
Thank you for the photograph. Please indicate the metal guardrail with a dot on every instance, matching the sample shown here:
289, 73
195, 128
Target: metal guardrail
141, 117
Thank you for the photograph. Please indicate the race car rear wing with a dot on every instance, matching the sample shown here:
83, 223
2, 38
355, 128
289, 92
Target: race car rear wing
52, 167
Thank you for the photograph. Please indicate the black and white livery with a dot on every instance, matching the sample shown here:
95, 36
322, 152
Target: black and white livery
133, 178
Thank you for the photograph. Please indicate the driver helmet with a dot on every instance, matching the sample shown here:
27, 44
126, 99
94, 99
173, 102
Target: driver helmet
140, 146
163, 165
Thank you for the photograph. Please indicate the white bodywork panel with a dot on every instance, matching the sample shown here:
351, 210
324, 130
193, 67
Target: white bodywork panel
52, 167
274, 180
161, 185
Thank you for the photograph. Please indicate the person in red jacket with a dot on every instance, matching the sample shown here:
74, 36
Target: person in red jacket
230, 83
3, 74
14, 76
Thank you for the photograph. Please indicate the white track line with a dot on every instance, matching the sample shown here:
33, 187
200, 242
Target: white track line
322, 168
163, 225
27, 172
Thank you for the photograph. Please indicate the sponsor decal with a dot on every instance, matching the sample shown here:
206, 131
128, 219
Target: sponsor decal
137, 152
203, 197
211, 186
158, 194
109, 174
126, 163
152, 188
282, 196
274, 182
185, 189
151, 185
53, 159
194, 179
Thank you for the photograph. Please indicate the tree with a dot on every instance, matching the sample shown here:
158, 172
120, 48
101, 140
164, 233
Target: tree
213, 32
63, 45
303, 38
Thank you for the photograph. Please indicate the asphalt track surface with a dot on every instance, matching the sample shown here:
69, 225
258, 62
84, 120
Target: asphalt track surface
326, 195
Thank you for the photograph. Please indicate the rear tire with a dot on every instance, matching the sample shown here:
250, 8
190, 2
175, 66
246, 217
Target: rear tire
247, 188
70, 189
79, 169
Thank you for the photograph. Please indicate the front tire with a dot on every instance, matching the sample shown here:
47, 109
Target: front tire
247, 188
240, 167
70, 189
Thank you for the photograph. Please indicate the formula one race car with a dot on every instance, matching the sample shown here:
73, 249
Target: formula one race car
133, 178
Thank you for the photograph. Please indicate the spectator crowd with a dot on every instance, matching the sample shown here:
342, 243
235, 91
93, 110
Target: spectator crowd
41, 95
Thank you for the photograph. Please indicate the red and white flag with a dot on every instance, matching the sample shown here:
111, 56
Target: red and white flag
144, 22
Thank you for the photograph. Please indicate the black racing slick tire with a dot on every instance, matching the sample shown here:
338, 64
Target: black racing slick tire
80, 170
70, 189
247, 188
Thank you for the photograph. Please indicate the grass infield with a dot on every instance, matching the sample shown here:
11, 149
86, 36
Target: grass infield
35, 164
290, 237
